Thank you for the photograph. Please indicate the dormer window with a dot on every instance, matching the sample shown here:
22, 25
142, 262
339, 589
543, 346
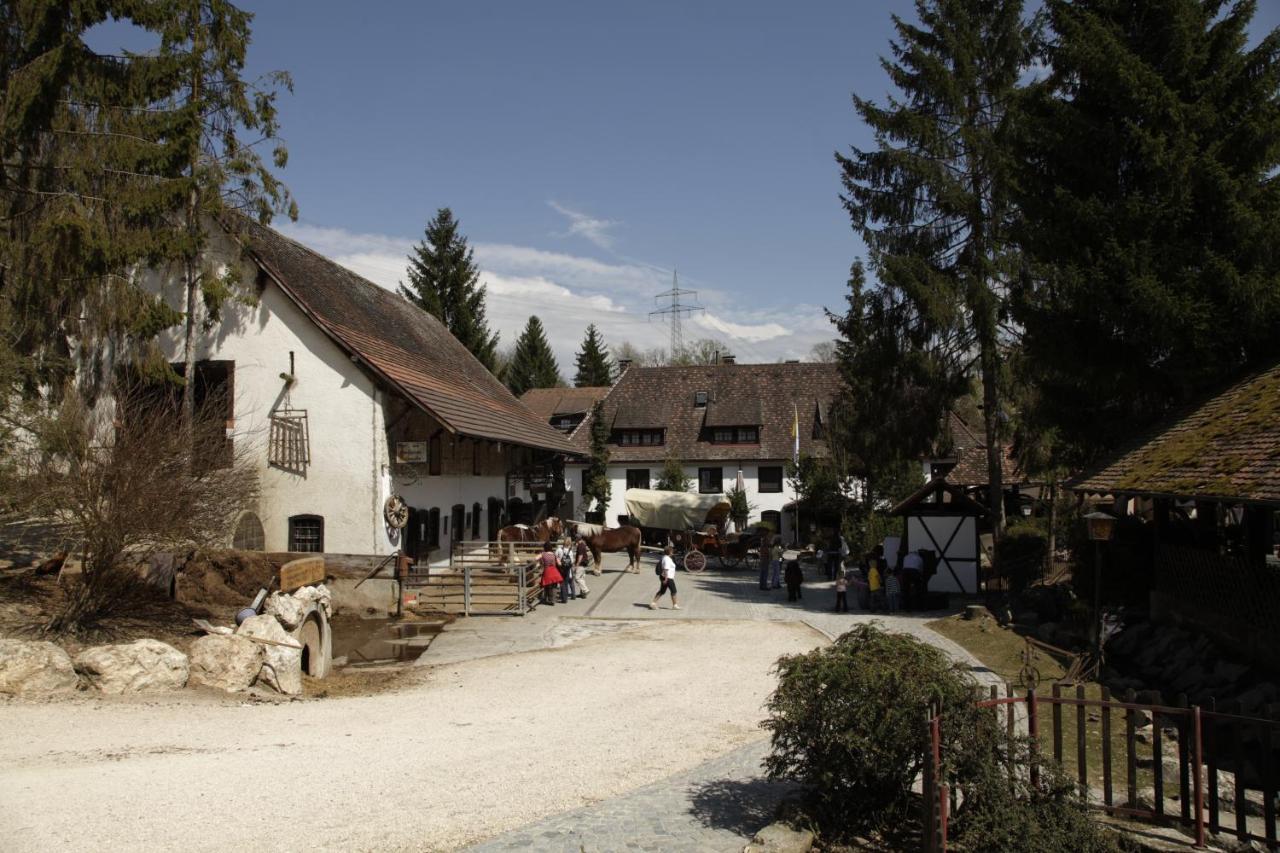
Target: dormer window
735, 435
700, 399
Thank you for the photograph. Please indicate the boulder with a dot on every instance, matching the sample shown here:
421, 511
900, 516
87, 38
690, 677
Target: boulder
781, 838
319, 594
284, 672
288, 609
35, 669
229, 663
143, 666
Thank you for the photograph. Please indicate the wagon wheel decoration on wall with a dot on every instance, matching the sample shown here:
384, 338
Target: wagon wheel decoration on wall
396, 512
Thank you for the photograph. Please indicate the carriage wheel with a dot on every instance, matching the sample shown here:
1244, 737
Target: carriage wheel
694, 561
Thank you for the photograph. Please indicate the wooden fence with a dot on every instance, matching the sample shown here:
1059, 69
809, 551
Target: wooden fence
482, 578
1206, 748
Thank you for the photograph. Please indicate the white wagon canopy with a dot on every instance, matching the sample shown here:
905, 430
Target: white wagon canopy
675, 510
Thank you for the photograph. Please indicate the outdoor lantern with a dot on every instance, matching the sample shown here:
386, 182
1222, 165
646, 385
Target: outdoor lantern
1100, 526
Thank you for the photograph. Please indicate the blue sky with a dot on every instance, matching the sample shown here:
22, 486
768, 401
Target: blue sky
588, 149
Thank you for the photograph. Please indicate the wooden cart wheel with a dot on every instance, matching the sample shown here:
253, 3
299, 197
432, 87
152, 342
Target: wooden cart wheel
695, 561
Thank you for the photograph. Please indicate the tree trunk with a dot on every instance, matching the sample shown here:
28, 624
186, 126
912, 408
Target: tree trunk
190, 261
189, 349
1051, 539
995, 450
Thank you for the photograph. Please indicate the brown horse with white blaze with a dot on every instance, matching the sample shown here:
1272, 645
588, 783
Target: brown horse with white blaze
612, 539
550, 529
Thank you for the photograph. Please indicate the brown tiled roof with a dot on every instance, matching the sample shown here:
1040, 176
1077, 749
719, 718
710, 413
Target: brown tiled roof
735, 411
969, 449
1226, 447
547, 403
767, 394
408, 348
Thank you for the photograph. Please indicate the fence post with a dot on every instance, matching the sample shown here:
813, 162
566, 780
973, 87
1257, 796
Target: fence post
928, 799
942, 785
1057, 722
1033, 729
521, 592
1211, 738
1131, 749
466, 590
1081, 761
1106, 746
1184, 760
1268, 779
1197, 759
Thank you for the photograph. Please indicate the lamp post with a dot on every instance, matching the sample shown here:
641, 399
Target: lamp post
1100, 527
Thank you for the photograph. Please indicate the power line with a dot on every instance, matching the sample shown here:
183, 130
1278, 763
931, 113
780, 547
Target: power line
675, 311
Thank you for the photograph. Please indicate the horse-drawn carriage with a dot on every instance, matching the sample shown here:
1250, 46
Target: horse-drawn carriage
694, 525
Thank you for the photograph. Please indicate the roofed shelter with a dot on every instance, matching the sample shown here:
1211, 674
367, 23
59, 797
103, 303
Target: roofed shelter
941, 518
1198, 497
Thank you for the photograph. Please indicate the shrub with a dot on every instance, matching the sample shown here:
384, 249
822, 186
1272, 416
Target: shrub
848, 722
1021, 554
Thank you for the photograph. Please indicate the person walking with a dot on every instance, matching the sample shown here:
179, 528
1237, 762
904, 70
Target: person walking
765, 558
551, 577
667, 580
842, 593
564, 562
580, 557
775, 566
795, 577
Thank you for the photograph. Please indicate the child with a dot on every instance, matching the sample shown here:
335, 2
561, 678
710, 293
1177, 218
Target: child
775, 567
795, 577
874, 584
551, 577
893, 590
842, 592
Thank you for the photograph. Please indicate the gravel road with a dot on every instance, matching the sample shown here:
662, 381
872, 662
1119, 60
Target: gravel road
477, 748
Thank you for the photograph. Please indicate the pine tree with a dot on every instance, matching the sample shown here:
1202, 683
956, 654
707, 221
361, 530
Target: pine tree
1151, 213
445, 281
595, 368
931, 203
673, 477
533, 365
596, 488
85, 196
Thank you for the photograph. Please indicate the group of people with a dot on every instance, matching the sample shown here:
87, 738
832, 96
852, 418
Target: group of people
880, 586
564, 570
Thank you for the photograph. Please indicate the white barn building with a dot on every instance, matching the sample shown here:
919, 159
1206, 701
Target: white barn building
349, 394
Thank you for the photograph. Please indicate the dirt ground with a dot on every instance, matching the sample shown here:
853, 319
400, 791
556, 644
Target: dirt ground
454, 754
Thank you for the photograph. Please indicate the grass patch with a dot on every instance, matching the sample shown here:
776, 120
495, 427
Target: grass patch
1001, 650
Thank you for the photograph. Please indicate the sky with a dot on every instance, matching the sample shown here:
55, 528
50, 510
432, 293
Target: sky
589, 150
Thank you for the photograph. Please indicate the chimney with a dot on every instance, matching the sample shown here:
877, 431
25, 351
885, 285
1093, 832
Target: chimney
792, 361
728, 358
623, 364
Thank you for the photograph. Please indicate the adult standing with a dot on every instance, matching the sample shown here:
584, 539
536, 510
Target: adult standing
913, 581
667, 576
765, 558
564, 562
581, 554
775, 565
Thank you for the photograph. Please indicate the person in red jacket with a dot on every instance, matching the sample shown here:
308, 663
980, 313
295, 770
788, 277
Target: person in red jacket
551, 577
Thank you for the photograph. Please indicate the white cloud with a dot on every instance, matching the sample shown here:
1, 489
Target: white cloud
586, 226
569, 291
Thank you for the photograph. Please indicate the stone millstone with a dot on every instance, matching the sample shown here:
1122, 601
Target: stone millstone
781, 838
286, 662
229, 663
143, 666
35, 669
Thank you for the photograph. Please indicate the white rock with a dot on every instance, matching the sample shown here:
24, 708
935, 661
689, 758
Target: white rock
35, 669
288, 609
285, 660
319, 594
142, 666
227, 663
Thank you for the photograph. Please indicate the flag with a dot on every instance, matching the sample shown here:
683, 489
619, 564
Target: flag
795, 432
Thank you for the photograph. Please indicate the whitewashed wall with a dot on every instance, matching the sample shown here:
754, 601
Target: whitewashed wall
961, 554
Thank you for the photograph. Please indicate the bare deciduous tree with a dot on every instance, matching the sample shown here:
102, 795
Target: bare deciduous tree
127, 482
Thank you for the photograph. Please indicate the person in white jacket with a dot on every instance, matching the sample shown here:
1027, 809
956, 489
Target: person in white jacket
667, 576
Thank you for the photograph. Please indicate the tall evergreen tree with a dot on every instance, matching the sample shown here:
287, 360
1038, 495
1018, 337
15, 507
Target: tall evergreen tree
596, 488
595, 367
930, 200
533, 365
1151, 213
445, 281
213, 122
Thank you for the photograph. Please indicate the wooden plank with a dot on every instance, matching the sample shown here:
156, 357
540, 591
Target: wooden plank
1131, 750
1184, 762
1211, 749
1057, 723
302, 572
1081, 761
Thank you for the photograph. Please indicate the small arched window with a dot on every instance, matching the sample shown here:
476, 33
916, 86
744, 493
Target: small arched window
249, 535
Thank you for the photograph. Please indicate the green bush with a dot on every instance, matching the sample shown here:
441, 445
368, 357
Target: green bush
848, 722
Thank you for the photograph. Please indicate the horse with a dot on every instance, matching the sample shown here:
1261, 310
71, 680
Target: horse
550, 529
612, 539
